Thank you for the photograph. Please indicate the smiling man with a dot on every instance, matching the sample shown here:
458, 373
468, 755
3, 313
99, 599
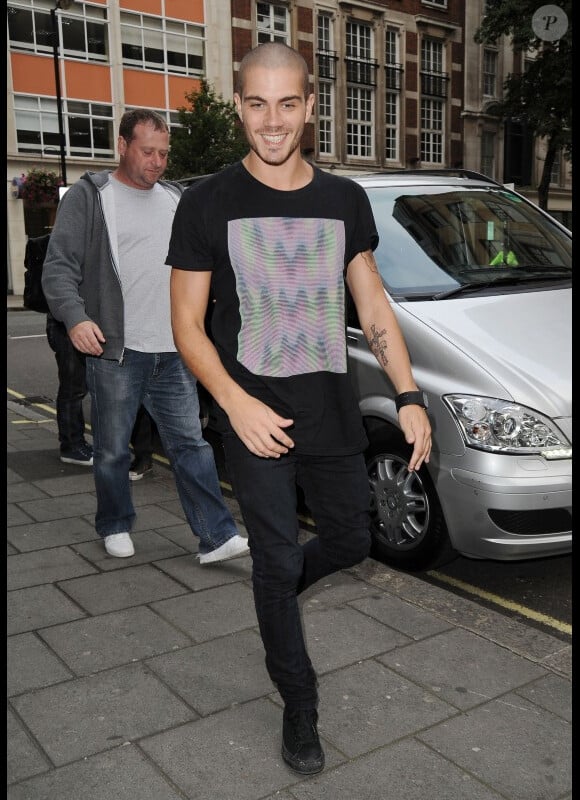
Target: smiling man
275, 240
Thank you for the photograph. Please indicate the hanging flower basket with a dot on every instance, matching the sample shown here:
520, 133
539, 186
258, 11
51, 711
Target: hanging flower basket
40, 188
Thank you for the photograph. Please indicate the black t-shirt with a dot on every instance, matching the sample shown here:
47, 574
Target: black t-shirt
278, 261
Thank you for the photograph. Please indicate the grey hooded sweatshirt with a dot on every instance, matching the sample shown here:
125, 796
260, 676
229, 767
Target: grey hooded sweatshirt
80, 275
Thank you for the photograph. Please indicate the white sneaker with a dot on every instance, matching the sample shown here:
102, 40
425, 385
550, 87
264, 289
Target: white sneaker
234, 547
119, 545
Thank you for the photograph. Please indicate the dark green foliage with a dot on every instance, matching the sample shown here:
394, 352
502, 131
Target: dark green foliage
210, 137
541, 96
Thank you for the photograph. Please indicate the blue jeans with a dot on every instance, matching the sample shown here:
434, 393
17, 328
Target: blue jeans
162, 383
337, 493
72, 386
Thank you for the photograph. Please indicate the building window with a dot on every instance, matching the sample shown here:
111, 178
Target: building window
394, 73
325, 116
326, 97
391, 127
433, 78
360, 65
488, 154
359, 126
82, 29
155, 43
435, 3
489, 73
88, 127
360, 100
432, 131
433, 87
272, 23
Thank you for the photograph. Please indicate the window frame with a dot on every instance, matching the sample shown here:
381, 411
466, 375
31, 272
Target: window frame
393, 117
266, 32
150, 26
45, 110
80, 13
489, 77
360, 95
326, 94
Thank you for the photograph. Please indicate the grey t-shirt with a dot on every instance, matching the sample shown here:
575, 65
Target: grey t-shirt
143, 219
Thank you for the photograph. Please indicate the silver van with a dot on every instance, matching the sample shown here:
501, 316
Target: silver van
480, 281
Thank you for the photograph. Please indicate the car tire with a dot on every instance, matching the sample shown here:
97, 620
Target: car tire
407, 524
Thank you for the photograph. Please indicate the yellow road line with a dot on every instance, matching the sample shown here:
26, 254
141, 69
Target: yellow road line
30, 421
563, 627
42, 406
36, 405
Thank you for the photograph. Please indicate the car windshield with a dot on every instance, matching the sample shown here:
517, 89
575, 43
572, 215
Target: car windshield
442, 241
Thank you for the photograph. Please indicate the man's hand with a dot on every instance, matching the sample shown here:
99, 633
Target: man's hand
415, 425
87, 337
260, 428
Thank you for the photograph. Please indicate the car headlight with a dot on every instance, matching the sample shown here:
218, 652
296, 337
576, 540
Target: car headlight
500, 426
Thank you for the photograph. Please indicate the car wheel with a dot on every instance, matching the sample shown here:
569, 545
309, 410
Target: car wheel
407, 524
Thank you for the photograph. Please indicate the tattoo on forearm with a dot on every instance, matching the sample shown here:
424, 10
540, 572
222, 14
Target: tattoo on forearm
378, 344
370, 260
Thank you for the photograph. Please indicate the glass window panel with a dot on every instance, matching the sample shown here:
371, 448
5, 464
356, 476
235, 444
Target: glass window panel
176, 60
20, 25
132, 52
51, 139
101, 111
73, 35
96, 39
79, 131
131, 35
23, 101
154, 57
195, 45
153, 23
92, 12
174, 27
175, 44
27, 121
43, 29
103, 134
28, 140
195, 62
76, 107
50, 123
154, 52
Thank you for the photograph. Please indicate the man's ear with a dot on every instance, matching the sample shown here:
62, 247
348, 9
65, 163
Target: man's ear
238, 105
309, 106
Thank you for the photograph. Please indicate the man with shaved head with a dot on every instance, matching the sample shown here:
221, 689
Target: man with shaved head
272, 240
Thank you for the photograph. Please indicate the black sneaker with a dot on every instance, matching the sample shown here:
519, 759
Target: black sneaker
139, 468
83, 456
301, 748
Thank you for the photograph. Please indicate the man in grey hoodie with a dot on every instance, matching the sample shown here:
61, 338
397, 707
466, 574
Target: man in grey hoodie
105, 278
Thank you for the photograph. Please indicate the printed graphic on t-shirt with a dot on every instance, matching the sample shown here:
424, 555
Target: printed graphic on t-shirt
289, 280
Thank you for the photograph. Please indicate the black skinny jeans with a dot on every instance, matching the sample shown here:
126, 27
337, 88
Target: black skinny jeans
337, 493
72, 386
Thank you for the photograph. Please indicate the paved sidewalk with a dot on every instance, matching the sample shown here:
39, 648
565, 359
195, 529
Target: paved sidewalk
143, 678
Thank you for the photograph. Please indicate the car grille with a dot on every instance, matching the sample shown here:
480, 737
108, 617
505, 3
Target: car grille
531, 523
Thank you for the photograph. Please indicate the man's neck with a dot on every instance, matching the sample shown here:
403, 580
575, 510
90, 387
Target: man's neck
295, 174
